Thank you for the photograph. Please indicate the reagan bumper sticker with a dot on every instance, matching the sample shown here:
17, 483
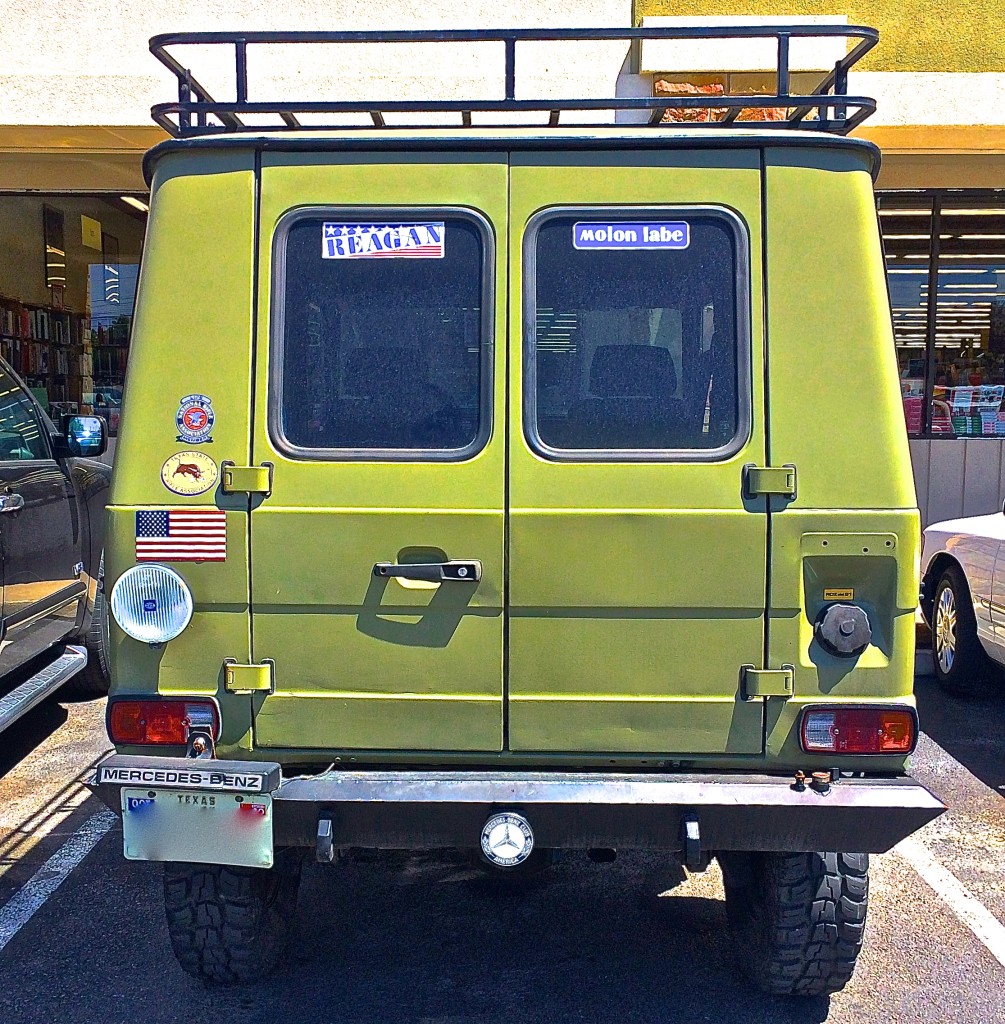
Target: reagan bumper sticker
621, 235
364, 241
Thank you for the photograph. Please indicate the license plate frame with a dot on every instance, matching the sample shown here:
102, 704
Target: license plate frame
197, 826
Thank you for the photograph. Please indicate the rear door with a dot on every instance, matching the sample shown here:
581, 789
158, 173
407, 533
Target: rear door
637, 569
379, 401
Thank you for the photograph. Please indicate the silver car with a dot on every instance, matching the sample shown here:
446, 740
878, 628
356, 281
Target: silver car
963, 600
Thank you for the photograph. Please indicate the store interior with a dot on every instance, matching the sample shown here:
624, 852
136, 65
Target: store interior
67, 291
951, 356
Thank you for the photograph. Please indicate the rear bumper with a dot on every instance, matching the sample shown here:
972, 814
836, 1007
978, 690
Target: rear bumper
572, 810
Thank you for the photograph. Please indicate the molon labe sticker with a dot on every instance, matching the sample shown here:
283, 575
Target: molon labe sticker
624, 235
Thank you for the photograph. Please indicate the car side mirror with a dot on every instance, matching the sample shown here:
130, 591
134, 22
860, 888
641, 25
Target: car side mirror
85, 436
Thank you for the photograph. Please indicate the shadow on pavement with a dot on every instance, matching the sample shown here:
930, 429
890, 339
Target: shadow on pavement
29, 732
420, 939
971, 729
407, 940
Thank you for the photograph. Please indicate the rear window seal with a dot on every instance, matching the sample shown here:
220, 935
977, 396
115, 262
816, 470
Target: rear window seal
277, 332
742, 436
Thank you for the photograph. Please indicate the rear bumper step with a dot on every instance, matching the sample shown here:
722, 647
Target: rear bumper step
573, 810
34, 690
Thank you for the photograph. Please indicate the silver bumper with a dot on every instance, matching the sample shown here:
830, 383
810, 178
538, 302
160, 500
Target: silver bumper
573, 810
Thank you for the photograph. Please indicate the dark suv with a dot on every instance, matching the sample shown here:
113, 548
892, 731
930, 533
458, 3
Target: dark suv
52, 502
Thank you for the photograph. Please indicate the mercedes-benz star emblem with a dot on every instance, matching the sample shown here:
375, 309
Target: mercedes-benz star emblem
507, 840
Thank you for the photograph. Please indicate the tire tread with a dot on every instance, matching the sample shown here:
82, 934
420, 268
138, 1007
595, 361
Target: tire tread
799, 922
229, 924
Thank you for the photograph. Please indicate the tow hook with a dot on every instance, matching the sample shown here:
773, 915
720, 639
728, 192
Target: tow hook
821, 782
200, 746
324, 849
691, 841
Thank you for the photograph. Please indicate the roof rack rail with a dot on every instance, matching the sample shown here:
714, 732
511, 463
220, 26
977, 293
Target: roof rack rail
828, 108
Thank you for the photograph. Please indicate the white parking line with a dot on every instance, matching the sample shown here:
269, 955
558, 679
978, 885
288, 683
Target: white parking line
978, 919
16, 913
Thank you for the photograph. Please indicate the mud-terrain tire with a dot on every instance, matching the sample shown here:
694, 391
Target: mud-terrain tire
231, 924
95, 677
962, 666
798, 919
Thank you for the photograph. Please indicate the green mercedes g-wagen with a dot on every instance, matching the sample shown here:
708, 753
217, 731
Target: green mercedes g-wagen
480, 487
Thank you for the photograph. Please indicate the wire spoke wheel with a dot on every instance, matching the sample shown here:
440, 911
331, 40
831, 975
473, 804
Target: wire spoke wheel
945, 630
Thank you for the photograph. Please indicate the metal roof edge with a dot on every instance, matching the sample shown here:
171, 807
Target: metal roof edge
349, 142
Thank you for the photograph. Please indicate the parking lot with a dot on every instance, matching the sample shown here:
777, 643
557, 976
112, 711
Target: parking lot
426, 939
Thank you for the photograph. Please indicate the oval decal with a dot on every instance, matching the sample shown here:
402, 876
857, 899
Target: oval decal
189, 473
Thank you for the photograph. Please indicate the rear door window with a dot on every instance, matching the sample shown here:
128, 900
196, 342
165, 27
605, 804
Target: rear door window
636, 335
382, 344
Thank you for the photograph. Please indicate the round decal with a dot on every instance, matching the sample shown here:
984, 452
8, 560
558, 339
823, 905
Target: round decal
507, 840
195, 419
189, 473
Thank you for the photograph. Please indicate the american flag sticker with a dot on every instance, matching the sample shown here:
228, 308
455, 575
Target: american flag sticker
366, 241
182, 535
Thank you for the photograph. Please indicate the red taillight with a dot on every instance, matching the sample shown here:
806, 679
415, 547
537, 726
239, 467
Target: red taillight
858, 731
162, 722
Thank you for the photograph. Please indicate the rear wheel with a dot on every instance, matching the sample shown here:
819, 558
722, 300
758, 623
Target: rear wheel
231, 924
798, 918
962, 666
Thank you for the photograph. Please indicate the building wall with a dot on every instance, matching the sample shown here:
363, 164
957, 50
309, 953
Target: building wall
961, 477
81, 63
915, 35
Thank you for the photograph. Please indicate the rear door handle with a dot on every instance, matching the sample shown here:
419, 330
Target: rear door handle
459, 571
11, 502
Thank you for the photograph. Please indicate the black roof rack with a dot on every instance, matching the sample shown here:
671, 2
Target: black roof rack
828, 109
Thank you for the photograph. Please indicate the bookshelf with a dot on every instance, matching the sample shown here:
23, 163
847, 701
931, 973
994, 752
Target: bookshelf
57, 350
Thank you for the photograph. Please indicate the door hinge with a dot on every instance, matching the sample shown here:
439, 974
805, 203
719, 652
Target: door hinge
769, 480
249, 678
767, 682
246, 479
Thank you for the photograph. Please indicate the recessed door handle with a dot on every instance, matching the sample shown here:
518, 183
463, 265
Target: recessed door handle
11, 502
464, 571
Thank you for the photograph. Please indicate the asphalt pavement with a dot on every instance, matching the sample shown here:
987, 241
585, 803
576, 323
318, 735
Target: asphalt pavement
424, 939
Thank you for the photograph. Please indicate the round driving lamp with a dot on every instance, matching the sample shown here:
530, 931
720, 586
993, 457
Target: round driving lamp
843, 630
151, 603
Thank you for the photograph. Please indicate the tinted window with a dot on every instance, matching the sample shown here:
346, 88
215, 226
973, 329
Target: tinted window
20, 425
383, 345
636, 333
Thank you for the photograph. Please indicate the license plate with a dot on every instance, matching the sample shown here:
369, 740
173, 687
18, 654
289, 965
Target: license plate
200, 827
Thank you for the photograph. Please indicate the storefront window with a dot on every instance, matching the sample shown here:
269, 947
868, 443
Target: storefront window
970, 328
67, 289
906, 221
952, 365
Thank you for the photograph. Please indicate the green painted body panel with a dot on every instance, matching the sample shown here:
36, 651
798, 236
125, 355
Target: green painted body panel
835, 412
636, 589
192, 328
360, 662
192, 332
630, 595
